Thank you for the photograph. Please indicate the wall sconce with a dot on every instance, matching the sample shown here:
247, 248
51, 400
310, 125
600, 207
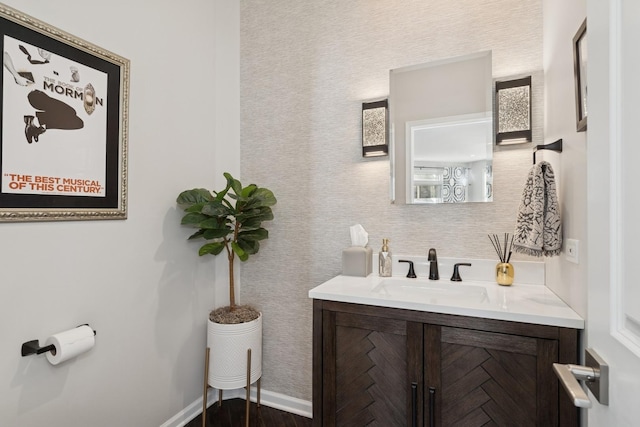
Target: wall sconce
513, 111
375, 122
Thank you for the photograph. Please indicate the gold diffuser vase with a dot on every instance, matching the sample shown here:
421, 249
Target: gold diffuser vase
504, 270
504, 274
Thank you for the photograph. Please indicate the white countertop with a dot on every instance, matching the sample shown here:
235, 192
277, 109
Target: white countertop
525, 303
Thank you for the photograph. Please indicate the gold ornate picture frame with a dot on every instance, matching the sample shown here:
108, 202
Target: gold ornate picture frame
64, 125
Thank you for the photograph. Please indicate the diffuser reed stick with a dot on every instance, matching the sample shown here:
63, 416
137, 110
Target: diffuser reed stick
502, 246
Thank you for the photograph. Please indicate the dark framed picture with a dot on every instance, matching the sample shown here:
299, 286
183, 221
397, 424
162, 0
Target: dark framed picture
580, 73
64, 125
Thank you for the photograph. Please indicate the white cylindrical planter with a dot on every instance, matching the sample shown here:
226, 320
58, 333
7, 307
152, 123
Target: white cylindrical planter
228, 346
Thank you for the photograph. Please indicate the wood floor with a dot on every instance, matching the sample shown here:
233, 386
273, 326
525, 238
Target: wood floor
232, 414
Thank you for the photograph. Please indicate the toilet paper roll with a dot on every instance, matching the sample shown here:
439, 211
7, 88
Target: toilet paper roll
69, 344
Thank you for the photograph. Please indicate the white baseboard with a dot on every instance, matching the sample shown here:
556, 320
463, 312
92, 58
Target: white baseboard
282, 402
267, 398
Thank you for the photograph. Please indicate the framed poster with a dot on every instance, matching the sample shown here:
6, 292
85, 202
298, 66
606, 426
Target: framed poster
580, 73
64, 124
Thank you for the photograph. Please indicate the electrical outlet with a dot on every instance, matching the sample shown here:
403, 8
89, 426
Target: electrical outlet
572, 250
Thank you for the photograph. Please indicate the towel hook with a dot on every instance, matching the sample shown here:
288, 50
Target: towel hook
554, 146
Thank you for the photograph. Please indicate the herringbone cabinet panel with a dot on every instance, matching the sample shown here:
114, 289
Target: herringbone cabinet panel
491, 379
370, 378
481, 387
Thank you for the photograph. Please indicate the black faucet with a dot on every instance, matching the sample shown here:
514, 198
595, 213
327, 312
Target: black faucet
433, 265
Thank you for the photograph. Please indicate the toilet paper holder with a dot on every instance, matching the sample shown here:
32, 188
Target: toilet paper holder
33, 346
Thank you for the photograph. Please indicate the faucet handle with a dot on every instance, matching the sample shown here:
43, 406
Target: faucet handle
456, 275
411, 274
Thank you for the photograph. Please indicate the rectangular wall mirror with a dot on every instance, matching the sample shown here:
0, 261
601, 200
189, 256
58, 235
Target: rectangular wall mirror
441, 116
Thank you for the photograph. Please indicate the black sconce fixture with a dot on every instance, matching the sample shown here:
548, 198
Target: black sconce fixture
513, 111
375, 124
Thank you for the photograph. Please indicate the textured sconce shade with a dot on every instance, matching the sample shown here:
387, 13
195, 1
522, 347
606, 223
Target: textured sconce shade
513, 111
375, 119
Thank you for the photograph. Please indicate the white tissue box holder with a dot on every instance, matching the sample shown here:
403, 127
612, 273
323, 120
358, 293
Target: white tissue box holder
357, 261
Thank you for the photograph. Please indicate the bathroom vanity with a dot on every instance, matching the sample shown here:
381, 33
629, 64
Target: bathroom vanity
414, 352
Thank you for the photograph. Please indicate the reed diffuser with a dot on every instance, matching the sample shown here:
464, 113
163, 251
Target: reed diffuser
504, 270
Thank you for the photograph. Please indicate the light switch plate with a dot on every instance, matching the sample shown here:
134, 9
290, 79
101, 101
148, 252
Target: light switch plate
572, 250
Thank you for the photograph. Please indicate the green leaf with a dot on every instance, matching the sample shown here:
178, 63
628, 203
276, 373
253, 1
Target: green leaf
248, 191
196, 235
211, 248
258, 234
216, 233
266, 196
233, 183
220, 195
261, 197
239, 251
193, 218
196, 207
216, 209
261, 214
249, 246
190, 197
210, 223
251, 224
249, 203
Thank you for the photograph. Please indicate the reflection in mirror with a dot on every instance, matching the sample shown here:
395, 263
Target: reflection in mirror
441, 114
450, 159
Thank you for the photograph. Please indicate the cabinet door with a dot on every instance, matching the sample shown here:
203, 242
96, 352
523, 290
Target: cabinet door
484, 378
374, 366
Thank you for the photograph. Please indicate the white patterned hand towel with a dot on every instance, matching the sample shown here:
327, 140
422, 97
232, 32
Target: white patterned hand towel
539, 227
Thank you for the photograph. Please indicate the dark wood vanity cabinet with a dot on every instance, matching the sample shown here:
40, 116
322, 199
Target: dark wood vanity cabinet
377, 366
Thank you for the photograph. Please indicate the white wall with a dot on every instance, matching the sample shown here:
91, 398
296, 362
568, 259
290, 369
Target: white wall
306, 67
561, 22
137, 282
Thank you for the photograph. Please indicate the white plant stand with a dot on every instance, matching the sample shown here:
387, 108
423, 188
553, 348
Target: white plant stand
224, 366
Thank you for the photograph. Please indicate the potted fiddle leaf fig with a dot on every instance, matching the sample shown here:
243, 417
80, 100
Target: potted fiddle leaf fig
230, 221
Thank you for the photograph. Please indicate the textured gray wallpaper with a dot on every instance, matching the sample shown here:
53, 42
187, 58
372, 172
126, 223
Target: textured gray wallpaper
306, 67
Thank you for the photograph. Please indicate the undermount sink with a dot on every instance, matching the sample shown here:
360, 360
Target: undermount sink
432, 292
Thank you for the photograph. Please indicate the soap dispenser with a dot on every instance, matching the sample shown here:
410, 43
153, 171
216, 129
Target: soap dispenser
384, 260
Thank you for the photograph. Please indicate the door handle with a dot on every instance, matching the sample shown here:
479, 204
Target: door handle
569, 376
595, 375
